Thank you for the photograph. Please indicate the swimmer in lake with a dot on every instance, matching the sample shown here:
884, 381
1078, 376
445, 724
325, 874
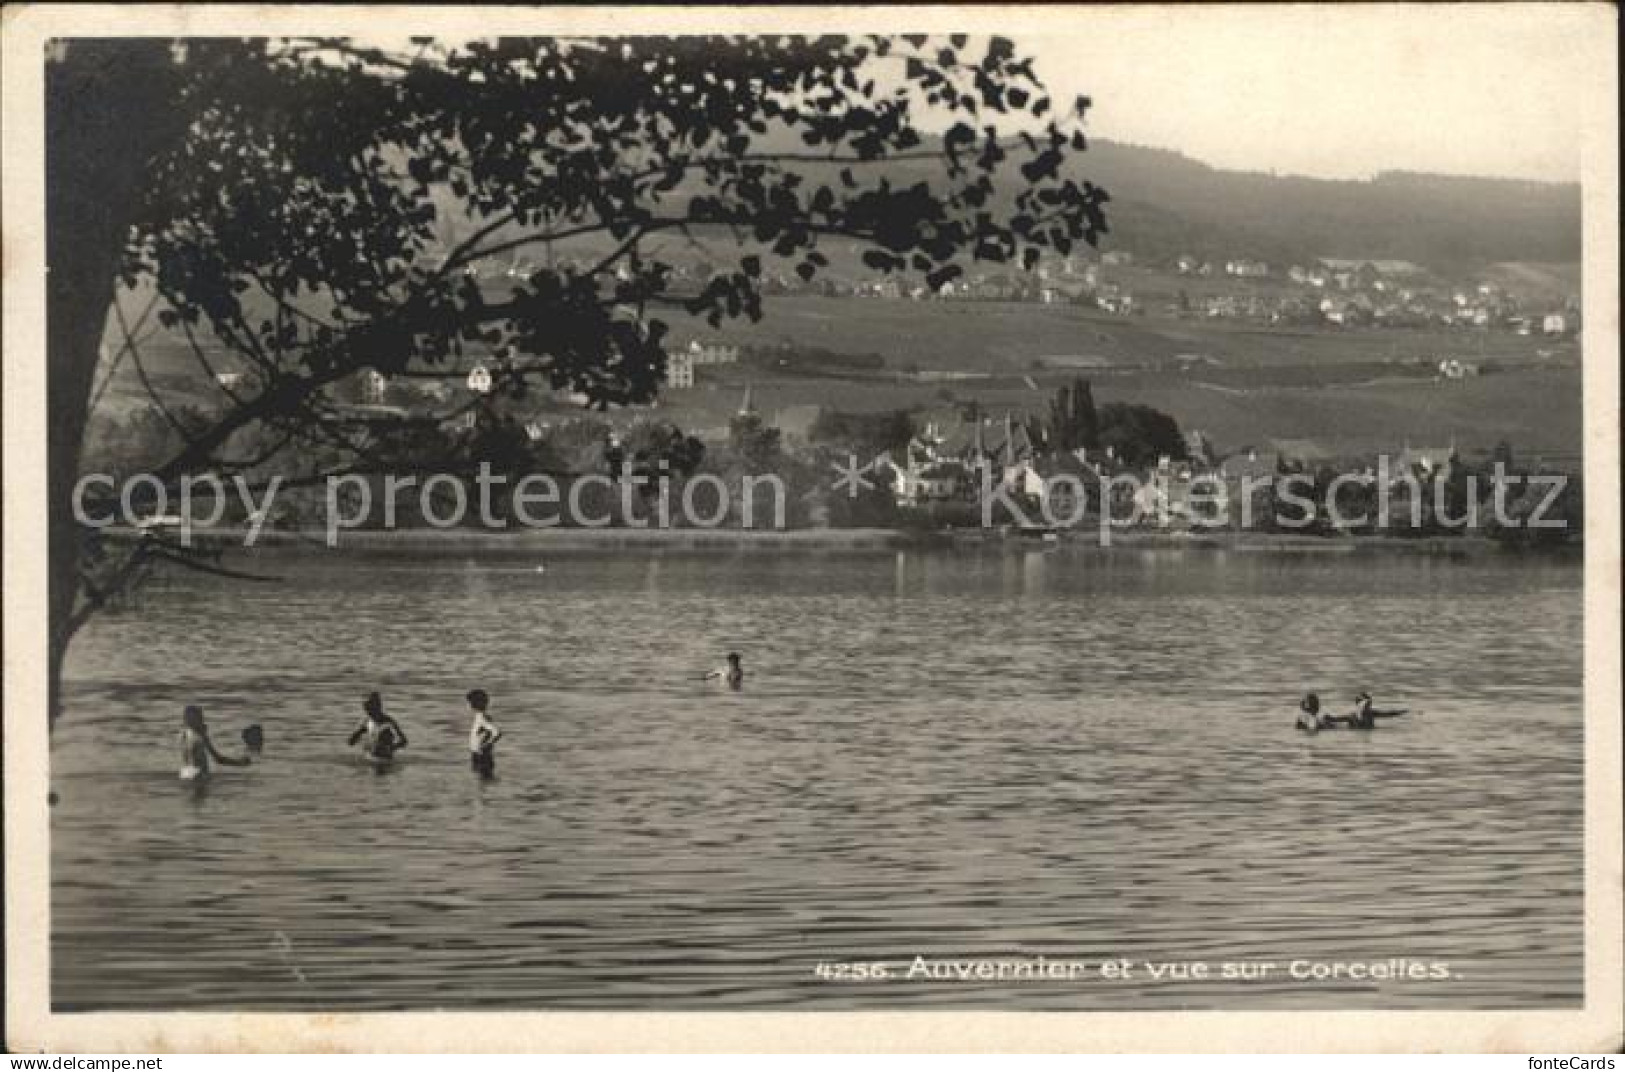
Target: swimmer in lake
1364, 716
197, 749
1309, 717
380, 735
483, 735
733, 675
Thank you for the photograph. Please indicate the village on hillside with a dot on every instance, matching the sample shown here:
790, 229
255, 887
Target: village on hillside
935, 461
938, 445
957, 467
1325, 291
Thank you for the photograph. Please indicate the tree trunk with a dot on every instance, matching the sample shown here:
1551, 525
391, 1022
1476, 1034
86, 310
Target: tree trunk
110, 108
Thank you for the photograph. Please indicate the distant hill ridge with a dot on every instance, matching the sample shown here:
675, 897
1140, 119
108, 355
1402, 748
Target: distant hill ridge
1165, 204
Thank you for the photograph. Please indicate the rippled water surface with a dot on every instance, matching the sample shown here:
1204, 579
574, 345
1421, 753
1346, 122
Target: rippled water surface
980, 756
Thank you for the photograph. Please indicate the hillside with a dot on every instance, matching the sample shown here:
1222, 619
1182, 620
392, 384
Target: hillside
1308, 382
1166, 204
1355, 391
1013, 338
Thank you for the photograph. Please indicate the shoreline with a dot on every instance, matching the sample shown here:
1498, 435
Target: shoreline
519, 542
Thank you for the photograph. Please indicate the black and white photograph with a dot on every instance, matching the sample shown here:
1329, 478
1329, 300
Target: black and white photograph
1055, 511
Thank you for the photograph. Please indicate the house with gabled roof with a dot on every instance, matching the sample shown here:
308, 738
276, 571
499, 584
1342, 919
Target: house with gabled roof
918, 483
1002, 443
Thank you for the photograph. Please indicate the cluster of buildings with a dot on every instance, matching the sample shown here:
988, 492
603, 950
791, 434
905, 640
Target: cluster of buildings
957, 461
1181, 493
682, 361
1381, 293
1328, 291
370, 398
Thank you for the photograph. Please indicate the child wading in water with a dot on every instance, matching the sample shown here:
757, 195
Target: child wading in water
483, 735
380, 735
197, 749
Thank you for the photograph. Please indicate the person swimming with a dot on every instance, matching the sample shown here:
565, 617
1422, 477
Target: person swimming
733, 675
1364, 716
483, 735
1309, 717
379, 734
197, 749
254, 739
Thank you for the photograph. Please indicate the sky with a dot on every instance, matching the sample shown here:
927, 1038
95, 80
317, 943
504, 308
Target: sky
1329, 90
1332, 91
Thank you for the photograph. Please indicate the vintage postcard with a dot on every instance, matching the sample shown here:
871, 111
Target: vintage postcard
1053, 528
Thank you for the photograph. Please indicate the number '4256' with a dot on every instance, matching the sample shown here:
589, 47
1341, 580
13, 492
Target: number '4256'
850, 972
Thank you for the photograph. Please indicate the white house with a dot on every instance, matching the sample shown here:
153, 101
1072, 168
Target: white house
680, 370
924, 477
1247, 269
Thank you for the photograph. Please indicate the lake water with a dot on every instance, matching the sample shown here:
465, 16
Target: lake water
979, 756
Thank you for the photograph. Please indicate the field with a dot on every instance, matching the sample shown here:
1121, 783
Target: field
1010, 336
1352, 391
1540, 282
